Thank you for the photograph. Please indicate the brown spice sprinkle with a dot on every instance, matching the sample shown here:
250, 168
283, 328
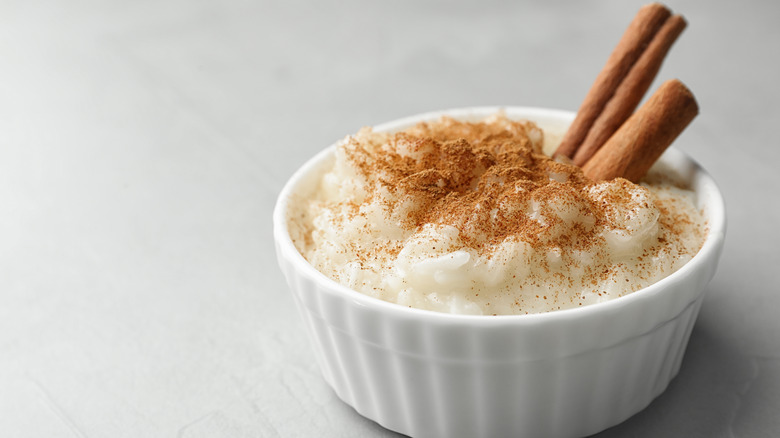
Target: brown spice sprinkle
480, 177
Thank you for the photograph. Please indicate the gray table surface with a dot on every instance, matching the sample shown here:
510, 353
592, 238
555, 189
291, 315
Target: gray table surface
143, 143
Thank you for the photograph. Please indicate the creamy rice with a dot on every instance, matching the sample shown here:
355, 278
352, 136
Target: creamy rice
473, 218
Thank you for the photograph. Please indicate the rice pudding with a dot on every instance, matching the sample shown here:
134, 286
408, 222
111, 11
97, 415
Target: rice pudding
474, 218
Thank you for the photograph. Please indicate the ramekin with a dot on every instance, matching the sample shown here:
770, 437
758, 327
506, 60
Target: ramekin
559, 374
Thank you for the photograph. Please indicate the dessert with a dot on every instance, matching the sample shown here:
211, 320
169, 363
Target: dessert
424, 373
473, 218
415, 214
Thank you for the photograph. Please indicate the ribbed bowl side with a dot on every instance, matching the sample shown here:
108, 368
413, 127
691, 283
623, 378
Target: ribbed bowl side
430, 395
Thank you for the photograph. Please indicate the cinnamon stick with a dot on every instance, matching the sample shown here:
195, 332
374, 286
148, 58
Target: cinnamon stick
641, 140
637, 36
630, 92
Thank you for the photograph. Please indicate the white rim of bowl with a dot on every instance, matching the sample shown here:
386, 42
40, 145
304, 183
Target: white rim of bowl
716, 221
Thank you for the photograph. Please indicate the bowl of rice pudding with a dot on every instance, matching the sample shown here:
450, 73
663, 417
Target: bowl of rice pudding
457, 281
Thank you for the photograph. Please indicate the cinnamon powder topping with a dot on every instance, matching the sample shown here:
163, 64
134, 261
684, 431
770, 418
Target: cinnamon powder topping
482, 178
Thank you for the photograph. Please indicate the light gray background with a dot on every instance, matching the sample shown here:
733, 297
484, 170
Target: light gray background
143, 143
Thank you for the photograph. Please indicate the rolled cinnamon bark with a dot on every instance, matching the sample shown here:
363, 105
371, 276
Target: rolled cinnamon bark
641, 140
630, 92
637, 36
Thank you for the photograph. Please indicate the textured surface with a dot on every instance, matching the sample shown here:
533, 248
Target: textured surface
143, 144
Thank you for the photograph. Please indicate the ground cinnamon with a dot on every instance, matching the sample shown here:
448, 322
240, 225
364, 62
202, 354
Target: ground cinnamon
479, 177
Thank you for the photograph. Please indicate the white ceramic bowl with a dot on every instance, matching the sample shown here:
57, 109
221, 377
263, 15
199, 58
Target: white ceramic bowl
560, 374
